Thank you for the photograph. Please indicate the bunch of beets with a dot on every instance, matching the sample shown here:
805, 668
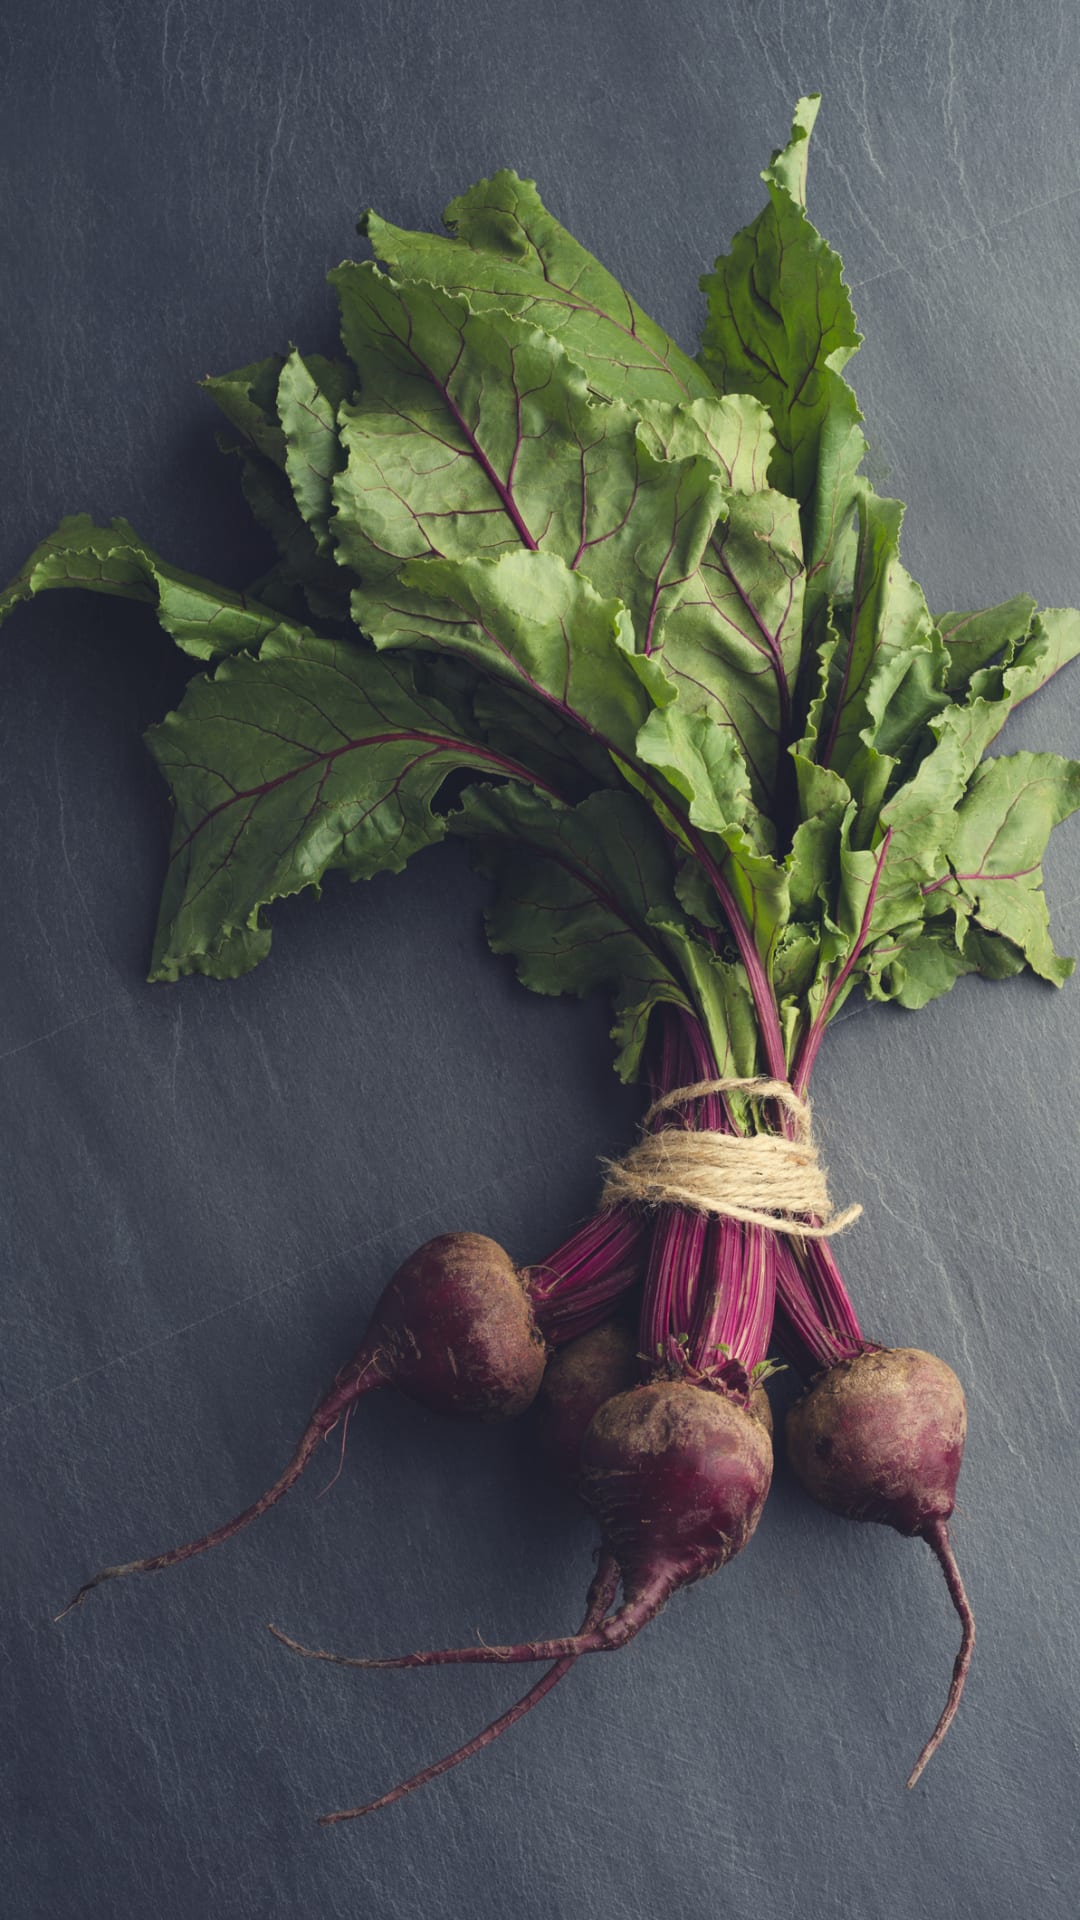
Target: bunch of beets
634, 624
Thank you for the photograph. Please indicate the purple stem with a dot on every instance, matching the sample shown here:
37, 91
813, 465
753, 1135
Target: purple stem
577, 1286
737, 1295
798, 1330
816, 1324
710, 1284
678, 1235
761, 992
816, 1032
831, 1295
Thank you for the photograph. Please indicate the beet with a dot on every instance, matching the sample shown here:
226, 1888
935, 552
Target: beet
760, 1406
880, 1437
676, 1473
677, 1476
454, 1329
577, 1381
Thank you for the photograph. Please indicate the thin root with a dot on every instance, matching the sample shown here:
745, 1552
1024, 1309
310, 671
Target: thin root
605, 1637
936, 1535
601, 1595
336, 1475
325, 1417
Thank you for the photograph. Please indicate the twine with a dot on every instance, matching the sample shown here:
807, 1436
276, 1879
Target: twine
764, 1179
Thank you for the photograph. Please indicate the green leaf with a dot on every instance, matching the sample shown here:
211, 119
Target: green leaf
541, 737
477, 435
780, 326
1003, 824
928, 966
883, 630
848, 920
251, 398
203, 619
277, 589
701, 763
303, 583
757, 883
310, 391
734, 432
925, 812
507, 252
922, 819
931, 961
725, 732
722, 999
1052, 642
577, 889
585, 902
824, 799
529, 620
991, 954
795, 961
828, 532
316, 756
248, 398
731, 642
900, 733
974, 640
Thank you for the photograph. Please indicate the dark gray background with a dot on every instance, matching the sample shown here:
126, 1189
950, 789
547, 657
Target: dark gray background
206, 1186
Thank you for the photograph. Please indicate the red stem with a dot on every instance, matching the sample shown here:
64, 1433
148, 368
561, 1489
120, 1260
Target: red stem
678, 1234
798, 1330
809, 1049
761, 992
577, 1286
710, 1284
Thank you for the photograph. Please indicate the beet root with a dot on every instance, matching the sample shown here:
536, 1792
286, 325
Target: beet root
577, 1381
881, 1437
454, 1329
760, 1406
677, 1475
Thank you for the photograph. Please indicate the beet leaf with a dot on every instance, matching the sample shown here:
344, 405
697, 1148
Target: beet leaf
696, 718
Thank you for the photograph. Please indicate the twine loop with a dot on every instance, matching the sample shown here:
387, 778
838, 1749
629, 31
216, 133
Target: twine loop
764, 1179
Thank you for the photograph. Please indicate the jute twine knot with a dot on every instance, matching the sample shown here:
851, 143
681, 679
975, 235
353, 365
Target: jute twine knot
765, 1179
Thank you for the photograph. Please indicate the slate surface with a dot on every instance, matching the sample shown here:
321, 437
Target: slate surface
206, 1186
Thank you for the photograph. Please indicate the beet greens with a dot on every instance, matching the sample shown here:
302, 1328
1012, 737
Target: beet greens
636, 627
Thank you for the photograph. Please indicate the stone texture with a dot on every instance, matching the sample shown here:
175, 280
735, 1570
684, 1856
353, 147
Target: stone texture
207, 1186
